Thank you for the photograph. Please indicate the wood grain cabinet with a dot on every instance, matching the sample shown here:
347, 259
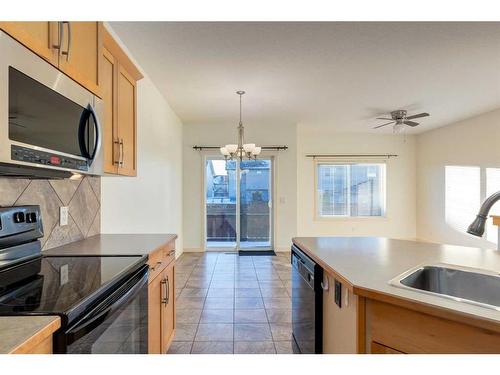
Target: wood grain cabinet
72, 47
118, 81
40, 37
161, 295
80, 52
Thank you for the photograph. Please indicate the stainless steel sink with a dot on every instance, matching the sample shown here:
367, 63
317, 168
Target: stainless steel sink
463, 284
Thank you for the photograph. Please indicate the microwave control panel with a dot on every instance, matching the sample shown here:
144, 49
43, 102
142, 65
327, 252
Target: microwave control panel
46, 158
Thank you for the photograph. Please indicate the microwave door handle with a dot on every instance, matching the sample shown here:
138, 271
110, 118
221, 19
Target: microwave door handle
83, 133
97, 128
92, 322
82, 127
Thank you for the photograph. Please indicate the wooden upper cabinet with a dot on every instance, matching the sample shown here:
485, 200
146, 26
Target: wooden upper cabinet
40, 37
80, 52
110, 131
73, 47
118, 81
126, 117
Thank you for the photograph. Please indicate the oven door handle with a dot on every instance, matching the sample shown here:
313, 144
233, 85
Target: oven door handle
99, 315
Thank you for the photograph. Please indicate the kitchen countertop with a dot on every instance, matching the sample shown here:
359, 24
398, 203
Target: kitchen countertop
367, 264
114, 245
19, 332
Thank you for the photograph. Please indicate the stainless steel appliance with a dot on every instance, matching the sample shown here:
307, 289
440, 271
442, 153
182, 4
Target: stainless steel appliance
49, 124
102, 301
307, 304
20, 228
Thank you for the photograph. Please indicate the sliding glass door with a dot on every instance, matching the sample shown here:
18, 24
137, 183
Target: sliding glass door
238, 204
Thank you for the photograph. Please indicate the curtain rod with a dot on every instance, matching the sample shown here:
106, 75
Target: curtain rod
268, 148
351, 156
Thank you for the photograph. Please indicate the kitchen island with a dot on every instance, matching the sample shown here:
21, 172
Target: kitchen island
377, 317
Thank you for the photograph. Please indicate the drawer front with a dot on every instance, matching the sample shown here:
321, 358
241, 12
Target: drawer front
160, 258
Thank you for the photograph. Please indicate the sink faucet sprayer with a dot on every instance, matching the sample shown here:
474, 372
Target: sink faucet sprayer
477, 226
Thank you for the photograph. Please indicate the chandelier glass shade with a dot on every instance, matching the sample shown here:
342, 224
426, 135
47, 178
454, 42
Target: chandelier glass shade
240, 150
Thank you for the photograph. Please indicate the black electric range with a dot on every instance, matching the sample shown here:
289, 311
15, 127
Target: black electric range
102, 301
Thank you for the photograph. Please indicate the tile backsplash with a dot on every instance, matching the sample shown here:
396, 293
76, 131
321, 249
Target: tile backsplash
83, 197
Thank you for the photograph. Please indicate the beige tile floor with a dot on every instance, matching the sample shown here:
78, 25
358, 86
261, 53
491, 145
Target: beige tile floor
233, 304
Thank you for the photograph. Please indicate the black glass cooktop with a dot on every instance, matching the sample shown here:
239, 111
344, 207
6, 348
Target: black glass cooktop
60, 285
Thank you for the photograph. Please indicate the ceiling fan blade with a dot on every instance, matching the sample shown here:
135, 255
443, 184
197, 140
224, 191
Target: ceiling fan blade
379, 126
384, 118
424, 114
410, 123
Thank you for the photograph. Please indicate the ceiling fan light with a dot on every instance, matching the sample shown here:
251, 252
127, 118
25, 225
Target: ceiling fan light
232, 148
249, 147
224, 151
256, 151
399, 128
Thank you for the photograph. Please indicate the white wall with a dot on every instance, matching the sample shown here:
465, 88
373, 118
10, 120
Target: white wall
452, 166
286, 175
400, 219
152, 201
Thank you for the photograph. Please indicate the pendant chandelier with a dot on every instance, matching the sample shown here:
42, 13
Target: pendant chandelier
240, 150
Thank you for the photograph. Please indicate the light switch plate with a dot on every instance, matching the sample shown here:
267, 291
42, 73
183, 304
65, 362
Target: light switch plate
63, 215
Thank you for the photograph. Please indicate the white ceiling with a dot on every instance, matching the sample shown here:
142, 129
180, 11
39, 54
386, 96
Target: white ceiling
337, 75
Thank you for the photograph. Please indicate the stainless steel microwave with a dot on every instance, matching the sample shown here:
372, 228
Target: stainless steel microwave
49, 124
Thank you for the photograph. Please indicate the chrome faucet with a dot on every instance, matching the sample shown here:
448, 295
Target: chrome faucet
477, 226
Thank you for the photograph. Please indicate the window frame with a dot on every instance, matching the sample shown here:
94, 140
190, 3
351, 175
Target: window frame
317, 214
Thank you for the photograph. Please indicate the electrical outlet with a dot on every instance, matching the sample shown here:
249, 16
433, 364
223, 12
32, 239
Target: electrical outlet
63, 274
63, 215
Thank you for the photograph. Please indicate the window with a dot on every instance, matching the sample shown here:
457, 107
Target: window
350, 190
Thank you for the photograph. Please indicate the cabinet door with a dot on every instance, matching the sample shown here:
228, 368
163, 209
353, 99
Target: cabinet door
126, 116
377, 348
155, 312
108, 86
80, 53
40, 37
168, 317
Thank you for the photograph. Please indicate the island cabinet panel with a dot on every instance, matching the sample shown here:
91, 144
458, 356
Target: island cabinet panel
41, 37
340, 324
408, 331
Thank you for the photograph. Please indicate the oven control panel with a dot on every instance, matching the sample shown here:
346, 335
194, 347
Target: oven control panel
46, 158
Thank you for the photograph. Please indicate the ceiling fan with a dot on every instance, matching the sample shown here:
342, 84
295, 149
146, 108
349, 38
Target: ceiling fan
400, 119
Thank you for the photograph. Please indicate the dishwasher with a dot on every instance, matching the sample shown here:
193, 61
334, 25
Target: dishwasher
307, 304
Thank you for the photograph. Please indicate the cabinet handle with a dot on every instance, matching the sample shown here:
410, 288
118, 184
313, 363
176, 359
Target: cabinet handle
168, 290
116, 142
60, 36
164, 299
156, 266
67, 52
121, 153
172, 252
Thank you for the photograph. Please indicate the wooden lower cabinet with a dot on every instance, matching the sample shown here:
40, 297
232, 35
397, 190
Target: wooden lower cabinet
394, 329
377, 348
168, 310
161, 299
